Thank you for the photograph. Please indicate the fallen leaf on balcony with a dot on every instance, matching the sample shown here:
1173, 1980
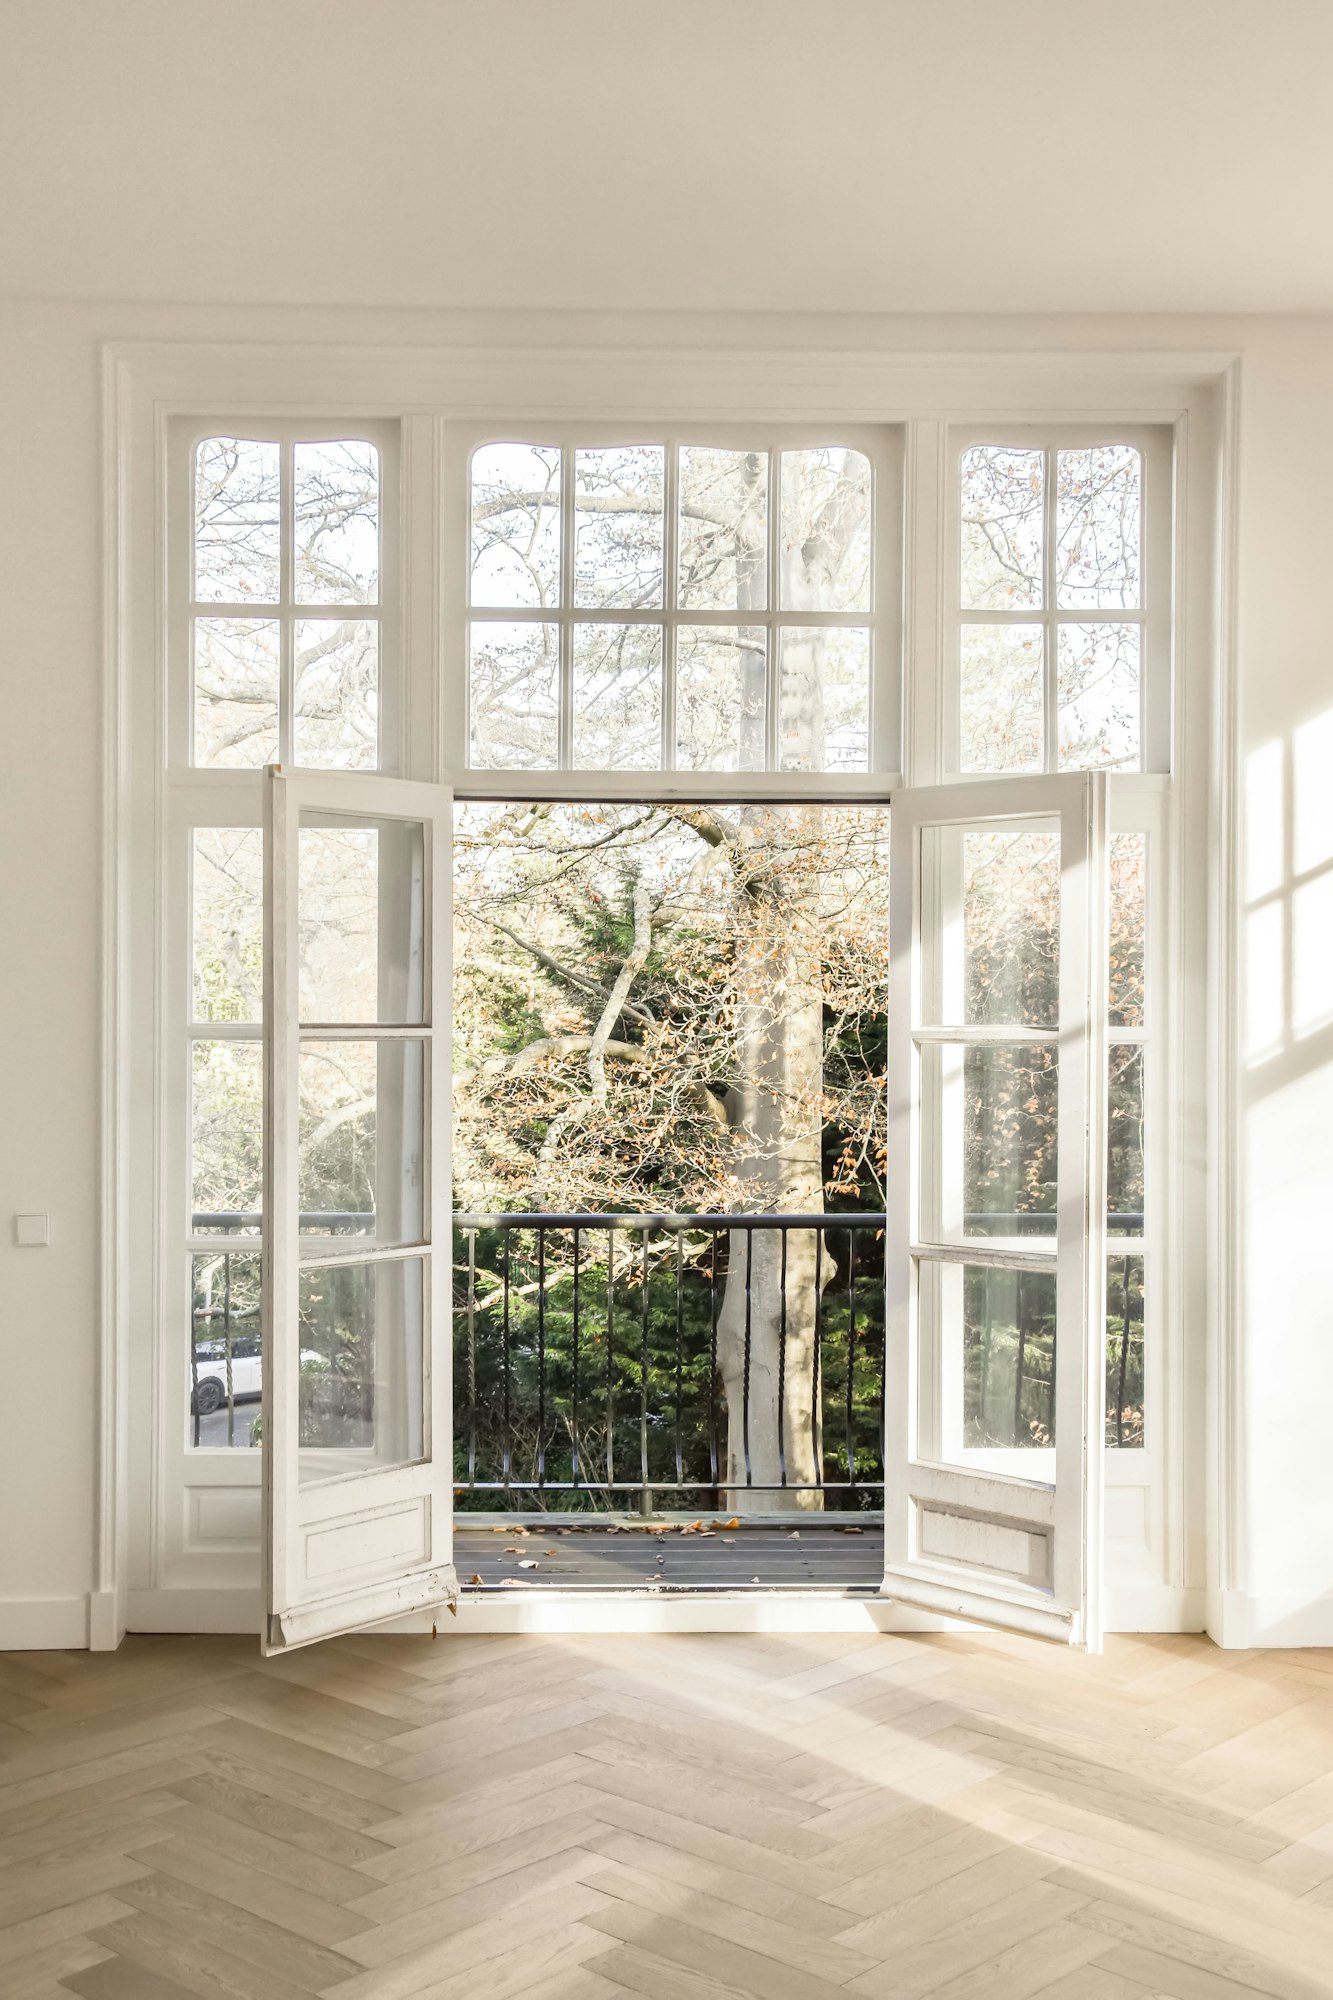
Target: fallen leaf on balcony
476, 1579
511, 1550
734, 1522
754, 1579
529, 1562
514, 1582
692, 1528
728, 1538
548, 1552
851, 1531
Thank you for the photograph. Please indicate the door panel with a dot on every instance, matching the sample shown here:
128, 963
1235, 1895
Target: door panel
996, 1243
356, 1418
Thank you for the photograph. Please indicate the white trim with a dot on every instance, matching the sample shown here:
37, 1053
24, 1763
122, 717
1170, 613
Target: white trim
422, 386
44, 1624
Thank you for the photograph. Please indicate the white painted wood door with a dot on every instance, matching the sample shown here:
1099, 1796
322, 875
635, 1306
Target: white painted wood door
357, 1446
995, 1258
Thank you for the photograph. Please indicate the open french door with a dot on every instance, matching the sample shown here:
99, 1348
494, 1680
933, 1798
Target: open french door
356, 1281
996, 1261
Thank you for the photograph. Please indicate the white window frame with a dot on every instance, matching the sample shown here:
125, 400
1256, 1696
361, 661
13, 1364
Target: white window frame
172, 1555
882, 446
1154, 615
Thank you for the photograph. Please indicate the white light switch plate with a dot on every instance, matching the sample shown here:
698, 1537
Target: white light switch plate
32, 1232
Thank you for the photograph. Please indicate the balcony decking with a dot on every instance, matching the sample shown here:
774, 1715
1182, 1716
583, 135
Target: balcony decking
830, 1555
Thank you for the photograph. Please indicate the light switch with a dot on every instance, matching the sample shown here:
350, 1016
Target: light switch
32, 1232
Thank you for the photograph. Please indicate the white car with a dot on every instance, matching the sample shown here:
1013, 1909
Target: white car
247, 1371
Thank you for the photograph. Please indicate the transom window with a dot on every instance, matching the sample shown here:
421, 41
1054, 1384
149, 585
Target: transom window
1060, 632
668, 604
285, 607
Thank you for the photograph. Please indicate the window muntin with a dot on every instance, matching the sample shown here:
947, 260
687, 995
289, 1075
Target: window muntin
285, 610
1053, 639
677, 605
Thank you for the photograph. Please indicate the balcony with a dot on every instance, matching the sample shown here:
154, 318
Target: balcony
618, 1381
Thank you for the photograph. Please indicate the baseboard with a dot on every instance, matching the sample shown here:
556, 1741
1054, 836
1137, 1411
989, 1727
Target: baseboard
106, 1620
1236, 1619
1154, 1607
222, 1611
43, 1624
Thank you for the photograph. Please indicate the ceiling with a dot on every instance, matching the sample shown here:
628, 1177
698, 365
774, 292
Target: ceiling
851, 155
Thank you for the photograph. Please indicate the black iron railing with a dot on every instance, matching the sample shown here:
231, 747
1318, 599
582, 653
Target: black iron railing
620, 1356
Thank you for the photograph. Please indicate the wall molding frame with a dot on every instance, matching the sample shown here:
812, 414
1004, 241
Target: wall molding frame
697, 379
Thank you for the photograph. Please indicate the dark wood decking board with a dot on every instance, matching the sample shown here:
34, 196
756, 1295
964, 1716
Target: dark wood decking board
824, 1557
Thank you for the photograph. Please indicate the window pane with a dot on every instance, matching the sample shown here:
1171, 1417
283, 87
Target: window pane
336, 500
361, 1394
1129, 900
1098, 526
237, 540
825, 698
516, 525
360, 921
1008, 1330
618, 697
236, 691
226, 1352
619, 531
1124, 1163
721, 698
1097, 722
514, 691
825, 530
723, 529
1124, 1353
1002, 529
360, 1147
227, 889
1011, 929
336, 724
227, 1135
1000, 696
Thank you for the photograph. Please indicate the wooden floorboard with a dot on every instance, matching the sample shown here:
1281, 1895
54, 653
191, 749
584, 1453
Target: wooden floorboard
683, 1818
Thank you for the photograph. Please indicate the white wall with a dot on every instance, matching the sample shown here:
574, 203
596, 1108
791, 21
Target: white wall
1275, 1568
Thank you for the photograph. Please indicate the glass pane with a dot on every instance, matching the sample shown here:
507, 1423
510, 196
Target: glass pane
360, 914
336, 725
1011, 927
723, 530
237, 538
1129, 919
336, 499
360, 1151
1000, 698
617, 697
1002, 529
227, 1135
1097, 720
989, 1160
619, 527
516, 525
825, 530
1124, 1149
227, 893
1008, 1329
236, 677
514, 697
986, 1360
226, 1352
1098, 527
1124, 1352
721, 698
361, 1400
825, 698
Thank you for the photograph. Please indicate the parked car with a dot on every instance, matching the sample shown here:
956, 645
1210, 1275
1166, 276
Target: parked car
247, 1371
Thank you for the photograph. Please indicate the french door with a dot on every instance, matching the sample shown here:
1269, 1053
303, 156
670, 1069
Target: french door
357, 1459
995, 1253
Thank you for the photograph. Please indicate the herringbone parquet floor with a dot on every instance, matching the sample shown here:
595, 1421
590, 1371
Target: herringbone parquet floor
684, 1818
